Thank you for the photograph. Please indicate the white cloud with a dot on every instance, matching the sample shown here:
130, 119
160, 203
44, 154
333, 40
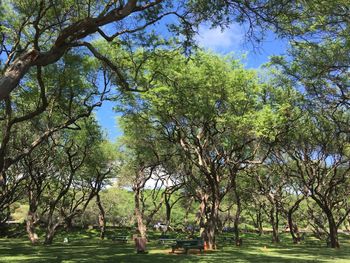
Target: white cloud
227, 40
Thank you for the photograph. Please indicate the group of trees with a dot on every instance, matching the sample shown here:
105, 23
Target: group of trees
196, 123
225, 132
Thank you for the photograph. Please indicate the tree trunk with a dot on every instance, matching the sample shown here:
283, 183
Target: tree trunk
238, 240
168, 212
259, 222
50, 233
32, 217
15, 72
212, 225
50, 230
30, 227
209, 235
101, 217
69, 223
333, 231
141, 227
274, 225
293, 228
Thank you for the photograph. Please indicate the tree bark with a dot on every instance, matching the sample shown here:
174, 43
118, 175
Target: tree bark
259, 222
167, 211
50, 229
32, 216
332, 241
30, 227
101, 217
211, 225
333, 231
274, 224
68, 223
141, 227
238, 240
15, 72
50, 233
293, 228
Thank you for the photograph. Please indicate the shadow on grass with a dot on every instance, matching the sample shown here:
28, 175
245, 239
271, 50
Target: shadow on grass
255, 249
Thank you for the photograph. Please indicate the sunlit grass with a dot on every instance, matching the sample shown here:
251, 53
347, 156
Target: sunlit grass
84, 247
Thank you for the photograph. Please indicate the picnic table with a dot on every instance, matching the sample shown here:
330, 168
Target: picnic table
188, 244
166, 240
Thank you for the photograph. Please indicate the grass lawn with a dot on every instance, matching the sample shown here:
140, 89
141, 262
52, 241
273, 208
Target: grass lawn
85, 247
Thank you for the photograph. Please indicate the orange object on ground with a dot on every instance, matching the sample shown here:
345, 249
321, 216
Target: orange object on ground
205, 245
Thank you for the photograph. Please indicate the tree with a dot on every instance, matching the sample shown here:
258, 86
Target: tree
74, 177
317, 156
41, 33
37, 171
212, 111
319, 53
140, 160
58, 98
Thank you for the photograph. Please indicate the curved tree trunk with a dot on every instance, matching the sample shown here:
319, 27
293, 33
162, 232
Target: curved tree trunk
167, 212
293, 228
332, 241
50, 233
50, 229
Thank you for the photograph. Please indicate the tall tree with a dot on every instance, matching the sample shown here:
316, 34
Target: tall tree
213, 111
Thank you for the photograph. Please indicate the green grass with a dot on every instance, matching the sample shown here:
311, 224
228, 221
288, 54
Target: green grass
85, 247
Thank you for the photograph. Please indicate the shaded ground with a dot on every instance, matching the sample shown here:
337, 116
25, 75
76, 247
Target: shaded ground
87, 248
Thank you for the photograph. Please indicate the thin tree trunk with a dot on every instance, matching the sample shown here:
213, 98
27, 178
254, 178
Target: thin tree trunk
259, 222
50, 233
50, 230
274, 225
101, 217
238, 240
293, 228
167, 212
31, 217
69, 223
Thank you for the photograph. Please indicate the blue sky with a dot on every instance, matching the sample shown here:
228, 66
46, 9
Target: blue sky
230, 40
